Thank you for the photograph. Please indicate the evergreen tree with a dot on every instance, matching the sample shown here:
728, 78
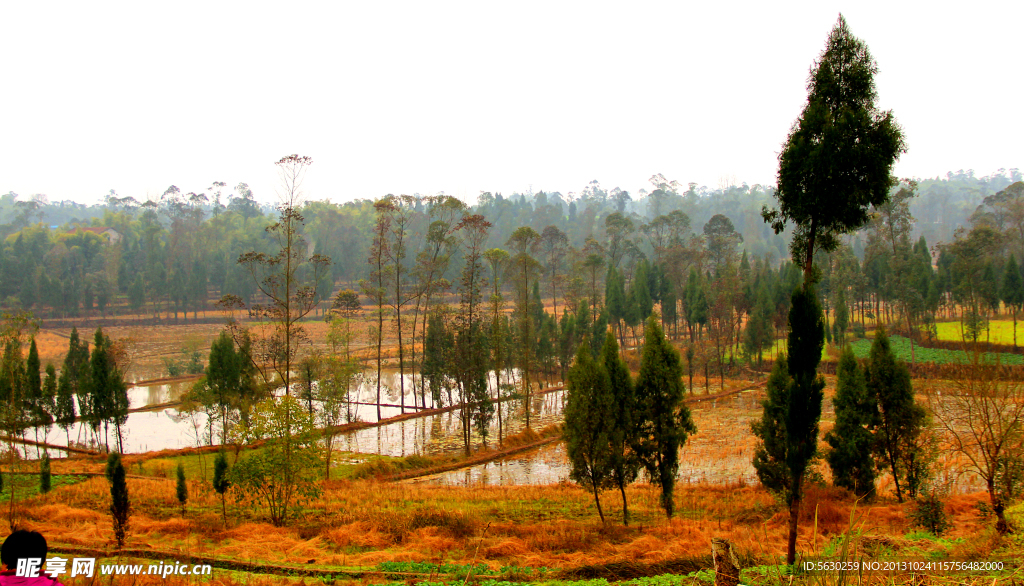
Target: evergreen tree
1012, 292
438, 356
76, 366
758, 333
64, 406
44, 473
696, 302
49, 394
988, 288
28, 295
589, 441
598, 331
842, 320
137, 294
221, 481
901, 420
788, 429
641, 292
623, 433
567, 340
615, 301
14, 414
669, 312
664, 421
851, 457
837, 161
770, 454
108, 393
223, 377
34, 396
120, 506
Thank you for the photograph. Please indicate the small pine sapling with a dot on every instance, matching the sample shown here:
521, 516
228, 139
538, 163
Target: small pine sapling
221, 482
181, 490
44, 473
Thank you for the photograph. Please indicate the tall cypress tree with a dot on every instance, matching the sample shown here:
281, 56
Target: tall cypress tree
851, 458
588, 437
120, 505
34, 390
598, 331
64, 406
788, 429
76, 367
625, 464
838, 158
615, 300
99, 385
1012, 292
108, 392
901, 420
665, 421
49, 393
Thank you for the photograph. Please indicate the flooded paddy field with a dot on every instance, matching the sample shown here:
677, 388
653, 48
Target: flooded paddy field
720, 451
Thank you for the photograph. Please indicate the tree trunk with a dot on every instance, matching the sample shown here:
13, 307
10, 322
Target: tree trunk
1002, 527
895, 477
794, 518
625, 503
809, 261
597, 500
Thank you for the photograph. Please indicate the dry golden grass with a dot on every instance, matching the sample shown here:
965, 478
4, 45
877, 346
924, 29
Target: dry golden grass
361, 523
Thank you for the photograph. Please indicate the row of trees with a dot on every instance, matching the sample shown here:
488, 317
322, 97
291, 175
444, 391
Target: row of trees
90, 387
878, 425
614, 426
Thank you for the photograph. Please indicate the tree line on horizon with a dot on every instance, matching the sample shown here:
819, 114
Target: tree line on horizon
177, 253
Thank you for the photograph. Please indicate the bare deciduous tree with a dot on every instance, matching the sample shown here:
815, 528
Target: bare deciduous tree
983, 420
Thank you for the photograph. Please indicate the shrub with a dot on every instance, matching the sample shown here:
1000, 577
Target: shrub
930, 512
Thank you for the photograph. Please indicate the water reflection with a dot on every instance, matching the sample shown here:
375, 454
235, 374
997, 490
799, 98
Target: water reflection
720, 452
168, 428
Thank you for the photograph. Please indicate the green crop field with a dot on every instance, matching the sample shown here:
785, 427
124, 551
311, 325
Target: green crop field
901, 348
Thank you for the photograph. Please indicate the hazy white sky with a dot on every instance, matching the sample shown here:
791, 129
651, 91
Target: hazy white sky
405, 97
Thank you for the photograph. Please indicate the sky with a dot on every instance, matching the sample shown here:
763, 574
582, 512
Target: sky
463, 97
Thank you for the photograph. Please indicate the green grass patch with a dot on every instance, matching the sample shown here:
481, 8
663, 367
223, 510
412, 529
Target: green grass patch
197, 466
27, 485
200, 466
901, 348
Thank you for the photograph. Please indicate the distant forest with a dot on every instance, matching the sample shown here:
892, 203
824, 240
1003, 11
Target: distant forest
176, 254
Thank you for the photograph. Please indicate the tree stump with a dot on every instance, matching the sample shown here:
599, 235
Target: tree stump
727, 567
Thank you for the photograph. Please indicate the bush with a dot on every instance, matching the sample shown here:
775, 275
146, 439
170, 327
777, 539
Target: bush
930, 512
